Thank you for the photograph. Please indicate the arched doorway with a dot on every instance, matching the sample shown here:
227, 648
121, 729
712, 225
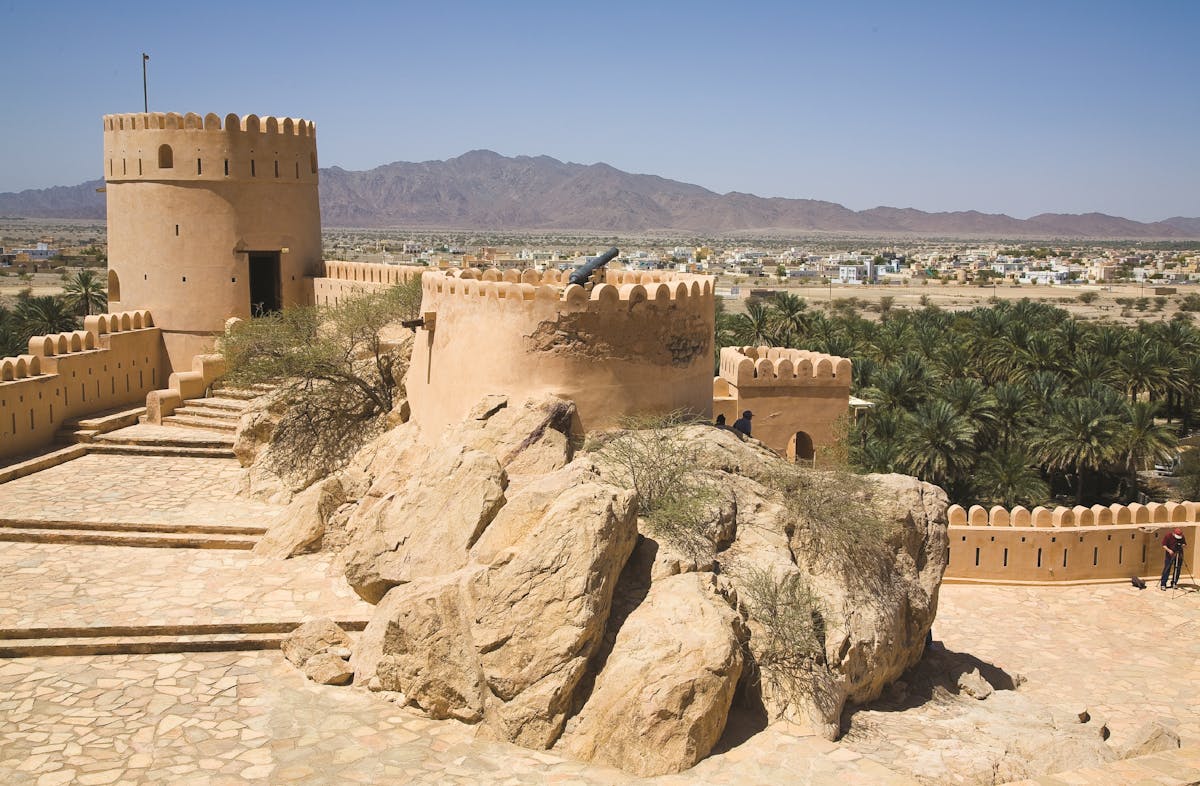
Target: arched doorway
801, 448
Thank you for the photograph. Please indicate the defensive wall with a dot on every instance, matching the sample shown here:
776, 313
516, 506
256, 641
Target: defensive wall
797, 396
209, 219
636, 342
1048, 545
344, 279
114, 361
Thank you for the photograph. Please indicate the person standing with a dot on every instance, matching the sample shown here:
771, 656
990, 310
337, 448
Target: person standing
1172, 543
742, 424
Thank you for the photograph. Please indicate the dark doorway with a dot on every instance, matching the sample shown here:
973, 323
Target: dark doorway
802, 448
266, 294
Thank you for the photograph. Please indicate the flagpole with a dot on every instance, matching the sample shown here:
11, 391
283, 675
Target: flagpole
145, 93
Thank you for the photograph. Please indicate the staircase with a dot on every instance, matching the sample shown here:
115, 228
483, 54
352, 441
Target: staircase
219, 412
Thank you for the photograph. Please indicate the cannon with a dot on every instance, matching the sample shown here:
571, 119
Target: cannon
584, 273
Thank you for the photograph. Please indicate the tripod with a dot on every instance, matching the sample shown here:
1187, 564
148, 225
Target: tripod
1181, 564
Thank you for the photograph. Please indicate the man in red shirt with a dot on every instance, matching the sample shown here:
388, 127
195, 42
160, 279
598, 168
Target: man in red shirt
1172, 543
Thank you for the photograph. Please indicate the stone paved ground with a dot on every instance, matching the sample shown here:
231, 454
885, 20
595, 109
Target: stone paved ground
138, 489
46, 585
228, 718
1127, 655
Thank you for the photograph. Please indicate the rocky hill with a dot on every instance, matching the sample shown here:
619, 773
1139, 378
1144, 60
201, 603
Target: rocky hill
483, 190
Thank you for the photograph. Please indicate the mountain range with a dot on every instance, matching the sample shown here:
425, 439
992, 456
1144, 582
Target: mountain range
482, 190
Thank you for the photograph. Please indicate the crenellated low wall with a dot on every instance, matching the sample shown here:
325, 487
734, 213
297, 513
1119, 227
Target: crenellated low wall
344, 279
1048, 545
114, 361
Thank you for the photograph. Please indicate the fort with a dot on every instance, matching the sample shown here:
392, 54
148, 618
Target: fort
211, 220
217, 220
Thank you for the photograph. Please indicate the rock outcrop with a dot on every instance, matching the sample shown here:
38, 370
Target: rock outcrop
506, 638
514, 590
661, 699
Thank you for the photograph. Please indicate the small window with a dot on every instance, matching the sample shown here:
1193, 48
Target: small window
177, 230
166, 157
297, 170
312, 161
124, 167
227, 167
276, 169
199, 167
252, 167
139, 167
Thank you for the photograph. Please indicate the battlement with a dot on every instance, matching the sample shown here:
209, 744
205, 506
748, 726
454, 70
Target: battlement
114, 361
165, 146
622, 290
59, 344
371, 272
171, 121
1078, 516
779, 367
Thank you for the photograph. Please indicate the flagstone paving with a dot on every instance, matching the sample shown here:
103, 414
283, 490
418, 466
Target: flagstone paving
1127, 655
141, 489
44, 585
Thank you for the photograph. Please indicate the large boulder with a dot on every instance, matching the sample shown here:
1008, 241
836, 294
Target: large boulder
660, 703
300, 528
531, 437
427, 525
312, 638
507, 638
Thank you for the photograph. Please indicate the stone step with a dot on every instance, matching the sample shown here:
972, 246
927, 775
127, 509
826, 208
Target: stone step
153, 540
134, 526
197, 409
235, 405
243, 393
181, 451
149, 639
187, 439
86, 428
28, 465
200, 422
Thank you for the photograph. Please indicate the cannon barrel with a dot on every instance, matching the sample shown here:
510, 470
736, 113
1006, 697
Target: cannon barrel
584, 273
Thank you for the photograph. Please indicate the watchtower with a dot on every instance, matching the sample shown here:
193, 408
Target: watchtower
798, 397
209, 220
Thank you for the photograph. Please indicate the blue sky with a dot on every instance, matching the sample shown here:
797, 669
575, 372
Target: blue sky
1002, 106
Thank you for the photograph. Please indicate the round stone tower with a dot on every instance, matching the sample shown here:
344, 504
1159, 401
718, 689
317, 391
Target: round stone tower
209, 220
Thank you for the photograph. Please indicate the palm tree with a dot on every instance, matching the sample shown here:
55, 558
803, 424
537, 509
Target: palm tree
972, 400
85, 293
791, 314
937, 444
1009, 478
1013, 408
1078, 437
10, 335
755, 327
1144, 443
1142, 369
40, 316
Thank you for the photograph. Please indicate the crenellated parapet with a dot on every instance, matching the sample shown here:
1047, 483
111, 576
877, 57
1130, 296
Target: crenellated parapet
1064, 544
160, 146
113, 362
529, 288
171, 121
1078, 516
371, 272
772, 367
